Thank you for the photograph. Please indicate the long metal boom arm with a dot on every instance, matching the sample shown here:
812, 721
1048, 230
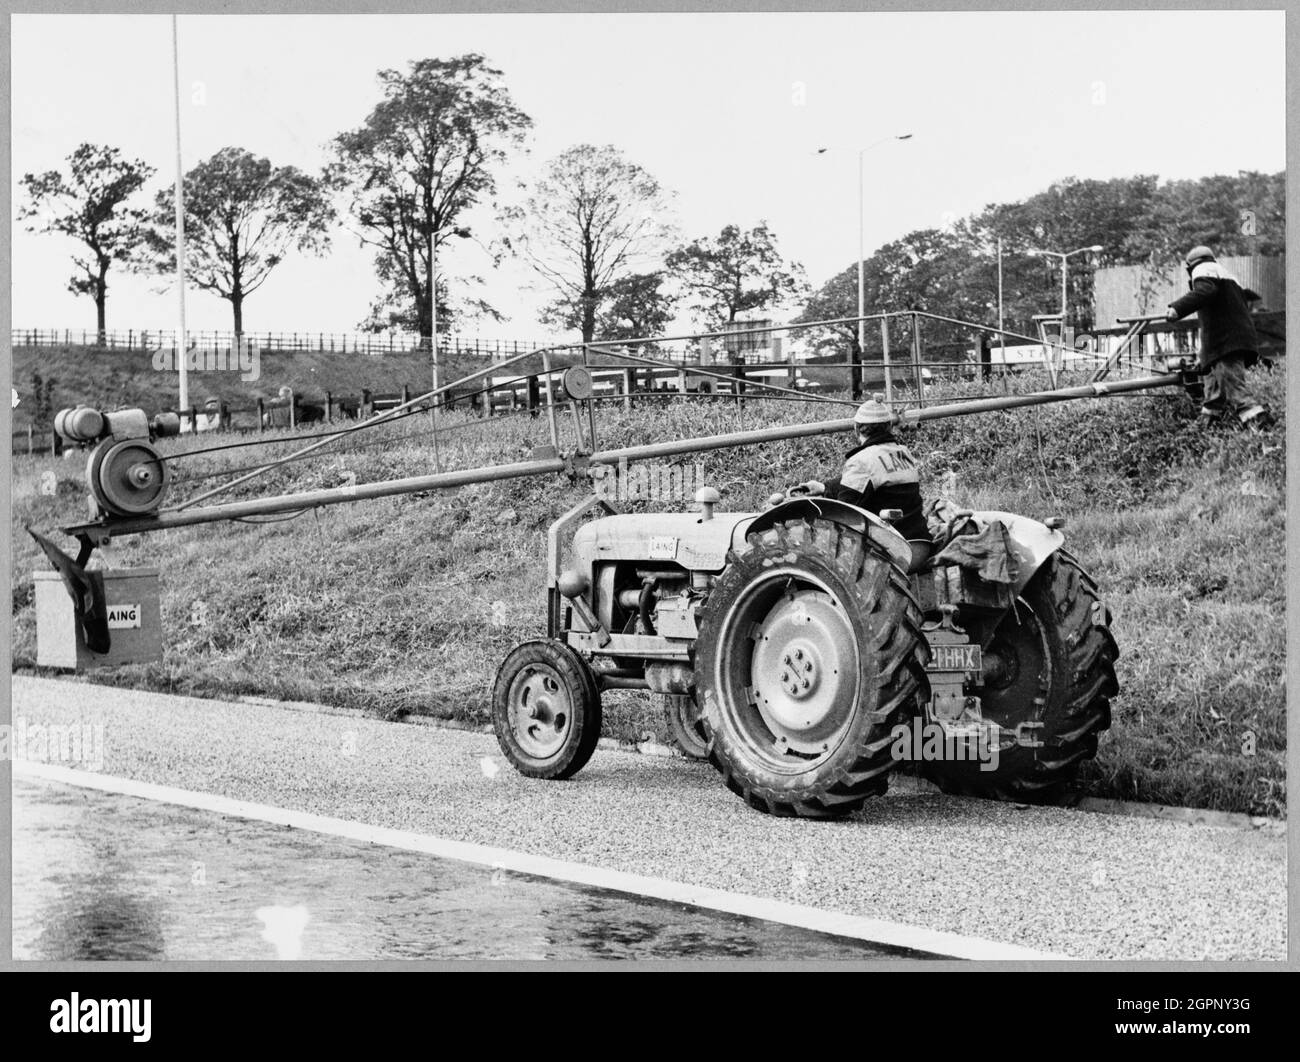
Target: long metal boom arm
289, 503
313, 499
826, 427
1042, 398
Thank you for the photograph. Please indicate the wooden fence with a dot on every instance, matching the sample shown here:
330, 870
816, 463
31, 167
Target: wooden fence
378, 343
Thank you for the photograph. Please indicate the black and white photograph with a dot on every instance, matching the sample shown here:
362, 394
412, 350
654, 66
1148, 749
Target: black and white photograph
639, 487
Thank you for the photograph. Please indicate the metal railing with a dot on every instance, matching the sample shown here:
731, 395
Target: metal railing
683, 365
897, 356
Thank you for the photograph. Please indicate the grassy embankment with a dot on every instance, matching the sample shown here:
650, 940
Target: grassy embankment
127, 378
407, 605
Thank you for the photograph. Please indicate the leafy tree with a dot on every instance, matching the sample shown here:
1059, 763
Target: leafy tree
736, 272
934, 270
1210, 211
242, 216
423, 157
592, 218
835, 299
635, 307
89, 204
1119, 215
1136, 220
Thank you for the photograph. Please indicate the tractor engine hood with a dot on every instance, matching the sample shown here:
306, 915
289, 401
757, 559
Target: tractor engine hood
681, 538
701, 545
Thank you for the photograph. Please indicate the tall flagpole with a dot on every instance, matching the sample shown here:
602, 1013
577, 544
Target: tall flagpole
181, 346
1002, 337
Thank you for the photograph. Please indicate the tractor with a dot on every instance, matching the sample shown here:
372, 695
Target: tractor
797, 653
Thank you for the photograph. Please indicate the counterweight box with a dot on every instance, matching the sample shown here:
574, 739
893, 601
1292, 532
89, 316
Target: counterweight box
134, 621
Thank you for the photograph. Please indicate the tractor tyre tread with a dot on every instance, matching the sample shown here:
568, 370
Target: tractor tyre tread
1087, 652
581, 682
899, 648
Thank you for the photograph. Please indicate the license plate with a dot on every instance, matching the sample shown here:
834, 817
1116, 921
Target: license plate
955, 658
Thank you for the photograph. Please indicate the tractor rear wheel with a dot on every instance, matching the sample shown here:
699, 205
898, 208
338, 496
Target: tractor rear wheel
810, 654
546, 710
1055, 676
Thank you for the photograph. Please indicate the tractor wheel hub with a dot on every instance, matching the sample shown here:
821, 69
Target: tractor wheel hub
803, 669
541, 712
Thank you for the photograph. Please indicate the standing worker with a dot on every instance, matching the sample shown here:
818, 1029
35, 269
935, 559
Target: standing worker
1228, 343
880, 473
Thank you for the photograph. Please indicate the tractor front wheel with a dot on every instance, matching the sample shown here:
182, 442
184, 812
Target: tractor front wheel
546, 710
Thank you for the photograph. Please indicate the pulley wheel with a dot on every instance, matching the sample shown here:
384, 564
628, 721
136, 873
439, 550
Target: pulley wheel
127, 478
576, 382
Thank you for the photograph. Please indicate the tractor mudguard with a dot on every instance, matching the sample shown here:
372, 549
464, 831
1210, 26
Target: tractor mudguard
837, 512
1031, 542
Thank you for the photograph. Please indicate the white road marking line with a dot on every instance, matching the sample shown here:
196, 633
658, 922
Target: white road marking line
878, 931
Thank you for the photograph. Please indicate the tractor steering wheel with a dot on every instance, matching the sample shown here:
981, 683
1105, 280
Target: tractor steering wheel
811, 488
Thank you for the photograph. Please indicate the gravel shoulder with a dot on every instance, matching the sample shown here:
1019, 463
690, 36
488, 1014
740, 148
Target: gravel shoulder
1092, 886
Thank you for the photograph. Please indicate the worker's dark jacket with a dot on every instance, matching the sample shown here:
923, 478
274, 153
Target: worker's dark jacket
1221, 306
882, 474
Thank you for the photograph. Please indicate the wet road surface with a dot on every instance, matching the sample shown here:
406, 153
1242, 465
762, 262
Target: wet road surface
105, 876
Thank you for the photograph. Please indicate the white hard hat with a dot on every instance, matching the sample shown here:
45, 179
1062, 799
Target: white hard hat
873, 412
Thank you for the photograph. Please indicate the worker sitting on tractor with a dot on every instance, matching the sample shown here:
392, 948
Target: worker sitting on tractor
880, 473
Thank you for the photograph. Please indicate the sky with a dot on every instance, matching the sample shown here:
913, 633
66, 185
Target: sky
727, 111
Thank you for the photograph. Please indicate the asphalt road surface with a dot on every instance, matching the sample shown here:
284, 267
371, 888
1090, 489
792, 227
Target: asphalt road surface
1050, 881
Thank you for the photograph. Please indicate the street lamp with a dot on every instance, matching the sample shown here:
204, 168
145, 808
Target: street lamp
179, 196
862, 325
1094, 249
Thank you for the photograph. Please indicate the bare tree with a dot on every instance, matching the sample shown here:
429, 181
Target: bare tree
593, 218
89, 204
